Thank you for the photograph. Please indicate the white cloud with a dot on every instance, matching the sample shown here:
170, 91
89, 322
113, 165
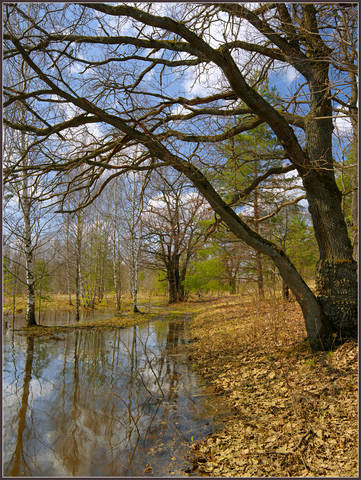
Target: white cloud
206, 82
291, 73
343, 125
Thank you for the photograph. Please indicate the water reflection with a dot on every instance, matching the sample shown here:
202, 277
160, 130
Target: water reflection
108, 403
18, 461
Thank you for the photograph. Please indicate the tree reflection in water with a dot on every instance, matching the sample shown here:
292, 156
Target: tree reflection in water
107, 402
18, 464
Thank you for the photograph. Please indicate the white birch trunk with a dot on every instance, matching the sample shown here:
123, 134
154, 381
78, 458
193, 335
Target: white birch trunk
78, 242
25, 201
117, 290
134, 250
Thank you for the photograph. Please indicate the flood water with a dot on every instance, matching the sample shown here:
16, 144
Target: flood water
53, 317
115, 402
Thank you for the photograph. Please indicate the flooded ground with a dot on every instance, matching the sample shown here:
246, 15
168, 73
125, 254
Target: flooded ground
55, 318
115, 402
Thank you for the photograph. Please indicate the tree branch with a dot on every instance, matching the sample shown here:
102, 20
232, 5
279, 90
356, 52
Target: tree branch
272, 171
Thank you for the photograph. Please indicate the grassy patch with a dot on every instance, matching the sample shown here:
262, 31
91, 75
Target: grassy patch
292, 412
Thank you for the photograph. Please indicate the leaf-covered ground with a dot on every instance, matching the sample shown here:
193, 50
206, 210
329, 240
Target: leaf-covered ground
291, 412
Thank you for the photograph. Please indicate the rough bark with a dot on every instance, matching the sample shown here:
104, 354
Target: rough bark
285, 291
336, 269
355, 189
175, 281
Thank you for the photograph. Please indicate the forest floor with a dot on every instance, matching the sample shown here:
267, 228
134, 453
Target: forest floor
291, 412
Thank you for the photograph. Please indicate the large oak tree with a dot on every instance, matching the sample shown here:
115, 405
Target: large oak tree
83, 64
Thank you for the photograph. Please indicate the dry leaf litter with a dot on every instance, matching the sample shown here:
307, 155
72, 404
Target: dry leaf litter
291, 412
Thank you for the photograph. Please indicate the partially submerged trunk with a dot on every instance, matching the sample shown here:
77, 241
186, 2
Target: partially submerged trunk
116, 282
28, 247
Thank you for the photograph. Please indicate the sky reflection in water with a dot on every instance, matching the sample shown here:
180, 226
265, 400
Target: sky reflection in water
101, 403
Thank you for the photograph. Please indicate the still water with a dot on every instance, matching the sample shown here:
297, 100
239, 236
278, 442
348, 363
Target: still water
116, 402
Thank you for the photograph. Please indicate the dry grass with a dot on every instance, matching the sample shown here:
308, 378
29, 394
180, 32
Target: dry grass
291, 412
61, 303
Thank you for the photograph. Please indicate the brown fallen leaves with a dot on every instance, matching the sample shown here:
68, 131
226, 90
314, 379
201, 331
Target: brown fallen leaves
292, 412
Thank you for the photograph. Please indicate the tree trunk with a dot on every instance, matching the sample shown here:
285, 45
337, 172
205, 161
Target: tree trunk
175, 280
256, 227
135, 239
116, 283
232, 285
15, 285
28, 248
285, 291
172, 281
260, 284
180, 277
172, 287
354, 179
336, 272
26, 203
68, 259
78, 266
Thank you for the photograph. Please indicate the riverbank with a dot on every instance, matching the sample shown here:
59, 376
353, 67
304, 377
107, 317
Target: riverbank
291, 412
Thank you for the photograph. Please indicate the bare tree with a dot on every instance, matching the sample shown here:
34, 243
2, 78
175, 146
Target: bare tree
172, 229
